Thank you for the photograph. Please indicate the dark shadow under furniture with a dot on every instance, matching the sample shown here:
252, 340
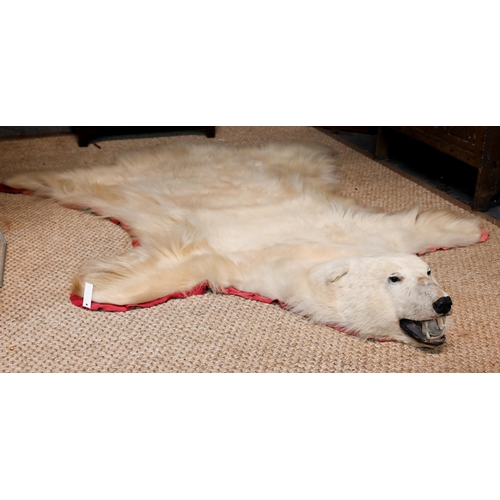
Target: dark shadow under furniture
87, 135
478, 147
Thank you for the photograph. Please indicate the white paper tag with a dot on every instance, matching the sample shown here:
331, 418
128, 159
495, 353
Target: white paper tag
87, 295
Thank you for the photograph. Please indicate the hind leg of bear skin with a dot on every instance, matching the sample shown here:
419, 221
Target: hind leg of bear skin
60, 185
140, 276
44, 182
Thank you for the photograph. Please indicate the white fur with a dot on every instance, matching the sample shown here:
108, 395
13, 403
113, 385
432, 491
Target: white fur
261, 219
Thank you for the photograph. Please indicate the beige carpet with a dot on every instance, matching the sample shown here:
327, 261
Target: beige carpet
41, 331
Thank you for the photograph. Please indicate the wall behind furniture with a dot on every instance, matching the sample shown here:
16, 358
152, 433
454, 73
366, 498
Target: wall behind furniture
7, 132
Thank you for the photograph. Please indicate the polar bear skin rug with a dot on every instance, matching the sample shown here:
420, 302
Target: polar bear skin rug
264, 220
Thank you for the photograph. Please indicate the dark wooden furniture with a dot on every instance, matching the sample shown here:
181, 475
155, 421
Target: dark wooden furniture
87, 135
476, 146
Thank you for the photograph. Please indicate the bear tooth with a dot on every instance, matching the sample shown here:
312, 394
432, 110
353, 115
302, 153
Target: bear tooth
425, 329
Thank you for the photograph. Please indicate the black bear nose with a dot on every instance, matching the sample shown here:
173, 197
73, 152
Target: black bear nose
442, 305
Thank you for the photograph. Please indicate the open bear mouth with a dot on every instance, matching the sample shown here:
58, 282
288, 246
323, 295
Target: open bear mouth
429, 333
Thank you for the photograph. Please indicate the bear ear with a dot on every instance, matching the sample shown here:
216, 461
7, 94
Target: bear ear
338, 273
331, 271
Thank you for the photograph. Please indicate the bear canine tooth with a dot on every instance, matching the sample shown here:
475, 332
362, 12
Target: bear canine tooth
425, 329
441, 322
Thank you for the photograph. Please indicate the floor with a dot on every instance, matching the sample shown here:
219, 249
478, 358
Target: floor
432, 167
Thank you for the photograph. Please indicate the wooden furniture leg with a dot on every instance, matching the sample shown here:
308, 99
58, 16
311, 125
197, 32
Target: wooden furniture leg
381, 147
488, 175
210, 132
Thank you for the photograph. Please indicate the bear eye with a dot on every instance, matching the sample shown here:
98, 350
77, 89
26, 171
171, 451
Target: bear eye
394, 279
429, 272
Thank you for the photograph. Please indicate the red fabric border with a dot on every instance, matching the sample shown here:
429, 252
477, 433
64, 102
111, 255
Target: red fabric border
97, 306
6, 189
484, 236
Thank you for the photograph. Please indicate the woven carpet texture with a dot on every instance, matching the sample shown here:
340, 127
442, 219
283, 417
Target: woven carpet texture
41, 331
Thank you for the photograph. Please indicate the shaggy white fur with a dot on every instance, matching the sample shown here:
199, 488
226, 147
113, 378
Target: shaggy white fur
264, 220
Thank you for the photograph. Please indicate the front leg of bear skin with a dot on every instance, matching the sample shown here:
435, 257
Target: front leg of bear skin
140, 275
440, 228
435, 229
131, 278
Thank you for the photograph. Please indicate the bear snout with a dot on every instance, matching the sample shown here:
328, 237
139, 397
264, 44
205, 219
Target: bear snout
442, 305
